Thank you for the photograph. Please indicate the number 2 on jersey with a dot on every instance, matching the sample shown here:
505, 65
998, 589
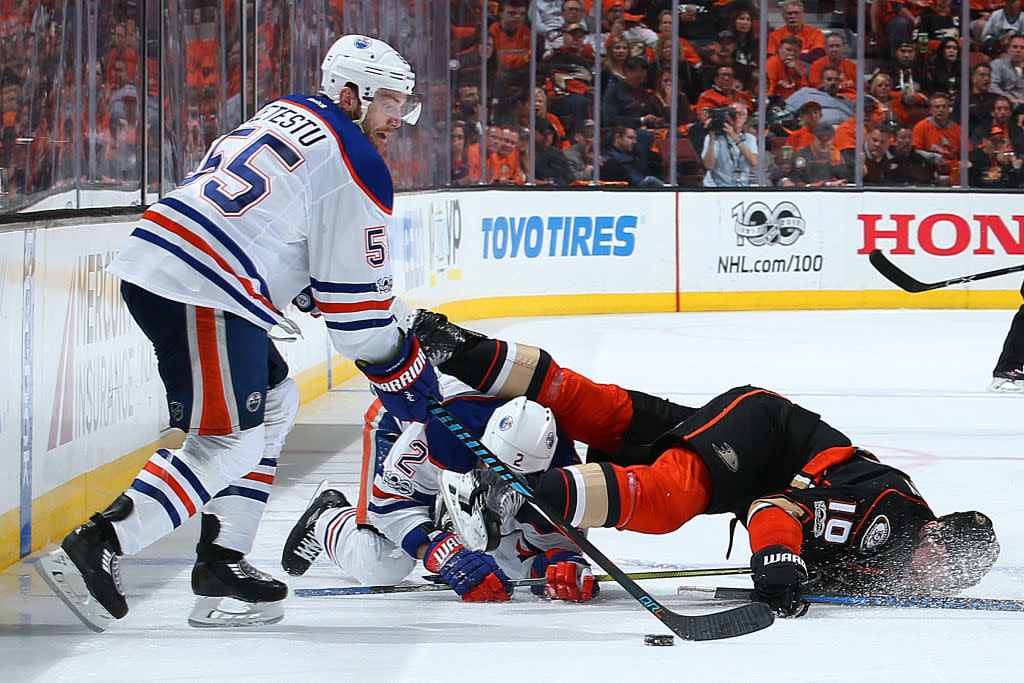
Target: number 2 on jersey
243, 167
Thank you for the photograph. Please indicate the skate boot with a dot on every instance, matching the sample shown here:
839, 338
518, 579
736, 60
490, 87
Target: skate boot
220, 573
438, 337
84, 572
1007, 381
302, 548
475, 505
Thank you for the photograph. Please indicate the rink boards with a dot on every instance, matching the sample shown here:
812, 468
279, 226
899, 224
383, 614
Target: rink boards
84, 406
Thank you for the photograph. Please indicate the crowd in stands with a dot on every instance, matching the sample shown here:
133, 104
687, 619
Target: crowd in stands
600, 106
621, 77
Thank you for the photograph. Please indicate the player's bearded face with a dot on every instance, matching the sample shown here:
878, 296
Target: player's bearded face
383, 116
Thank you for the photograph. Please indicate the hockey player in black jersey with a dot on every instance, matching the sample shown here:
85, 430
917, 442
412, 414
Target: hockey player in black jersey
820, 512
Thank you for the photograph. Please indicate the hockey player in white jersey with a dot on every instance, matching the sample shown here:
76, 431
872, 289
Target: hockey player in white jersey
295, 200
421, 503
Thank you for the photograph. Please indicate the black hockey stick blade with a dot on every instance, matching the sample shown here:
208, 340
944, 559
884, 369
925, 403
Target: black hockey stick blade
894, 274
915, 601
727, 624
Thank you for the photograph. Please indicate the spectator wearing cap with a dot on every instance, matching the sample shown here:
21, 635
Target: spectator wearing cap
906, 166
573, 14
846, 132
723, 93
876, 147
1008, 73
614, 20
580, 155
811, 39
550, 165
627, 102
940, 135
810, 114
908, 75
835, 48
834, 109
785, 73
819, 164
568, 76
993, 163
1003, 24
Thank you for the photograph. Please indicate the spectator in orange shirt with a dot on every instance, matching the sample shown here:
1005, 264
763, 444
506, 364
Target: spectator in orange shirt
937, 133
686, 50
810, 114
846, 133
835, 47
511, 35
473, 159
786, 74
722, 93
812, 39
503, 164
122, 51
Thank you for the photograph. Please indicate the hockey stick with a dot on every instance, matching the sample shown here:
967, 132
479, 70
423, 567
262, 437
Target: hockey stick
734, 622
891, 272
918, 601
438, 585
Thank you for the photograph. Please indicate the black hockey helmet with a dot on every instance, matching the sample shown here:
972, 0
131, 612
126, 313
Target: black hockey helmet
970, 543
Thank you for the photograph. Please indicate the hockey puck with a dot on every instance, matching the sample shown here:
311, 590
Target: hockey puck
659, 640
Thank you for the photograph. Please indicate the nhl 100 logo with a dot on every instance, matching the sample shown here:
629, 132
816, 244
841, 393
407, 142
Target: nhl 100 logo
760, 225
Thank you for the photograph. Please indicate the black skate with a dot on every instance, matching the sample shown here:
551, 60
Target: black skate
438, 337
226, 573
84, 571
302, 548
221, 573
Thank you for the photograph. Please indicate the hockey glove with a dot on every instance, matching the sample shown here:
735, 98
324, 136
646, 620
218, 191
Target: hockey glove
568, 576
305, 302
472, 574
780, 579
404, 383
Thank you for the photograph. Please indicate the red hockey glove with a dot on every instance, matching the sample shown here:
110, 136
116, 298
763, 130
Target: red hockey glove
472, 574
567, 574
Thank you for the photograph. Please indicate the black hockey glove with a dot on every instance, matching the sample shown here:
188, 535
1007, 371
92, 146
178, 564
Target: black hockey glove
780, 579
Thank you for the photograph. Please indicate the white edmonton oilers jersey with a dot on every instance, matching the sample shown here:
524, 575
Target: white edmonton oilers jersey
406, 484
297, 196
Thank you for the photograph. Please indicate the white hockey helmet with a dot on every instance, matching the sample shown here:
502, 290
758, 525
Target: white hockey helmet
522, 434
369, 64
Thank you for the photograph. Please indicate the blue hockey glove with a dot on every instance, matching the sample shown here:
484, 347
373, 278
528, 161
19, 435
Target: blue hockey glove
404, 383
568, 576
305, 302
474, 575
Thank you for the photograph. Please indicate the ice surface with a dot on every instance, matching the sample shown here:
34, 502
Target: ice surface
908, 385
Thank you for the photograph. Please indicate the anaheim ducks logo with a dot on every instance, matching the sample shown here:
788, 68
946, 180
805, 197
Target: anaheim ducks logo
728, 456
878, 533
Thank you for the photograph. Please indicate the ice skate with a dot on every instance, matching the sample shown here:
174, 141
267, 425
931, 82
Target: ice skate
475, 506
302, 548
220, 573
1008, 381
84, 573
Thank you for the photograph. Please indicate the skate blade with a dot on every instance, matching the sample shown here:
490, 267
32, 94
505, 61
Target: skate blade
210, 613
1006, 386
58, 571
